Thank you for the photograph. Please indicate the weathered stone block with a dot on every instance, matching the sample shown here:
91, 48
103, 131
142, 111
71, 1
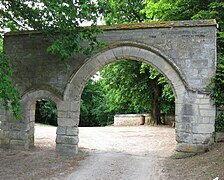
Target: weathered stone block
62, 114
182, 137
202, 138
203, 128
2, 117
4, 125
205, 106
72, 131
208, 113
64, 106
187, 110
67, 122
187, 119
61, 130
75, 106
67, 149
19, 144
191, 148
63, 139
16, 126
205, 101
4, 142
19, 135
183, 127
73, 115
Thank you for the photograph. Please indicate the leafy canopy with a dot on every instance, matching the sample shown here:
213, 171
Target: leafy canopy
56, 16
59, 20
163, 10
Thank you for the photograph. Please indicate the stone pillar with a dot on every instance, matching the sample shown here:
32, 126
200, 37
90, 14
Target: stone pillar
195, 119
4, 138
18, 132
67, 131
14, 134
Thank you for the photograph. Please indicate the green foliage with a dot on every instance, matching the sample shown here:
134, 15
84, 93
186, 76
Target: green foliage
128, 99
163, 10
122, 11
167, 98
128, 87
59, 21
219, 123
218, 83
127, 90
46, 112
9, 96
122, 88
55, 17
166, 10
93, 106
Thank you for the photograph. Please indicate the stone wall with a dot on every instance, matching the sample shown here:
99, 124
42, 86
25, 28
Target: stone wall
129, 119
183, 51
190, 48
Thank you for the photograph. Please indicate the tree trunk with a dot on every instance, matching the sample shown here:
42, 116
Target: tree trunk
155, 113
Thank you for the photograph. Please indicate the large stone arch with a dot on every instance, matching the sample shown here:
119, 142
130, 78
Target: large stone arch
190, 135
132, 51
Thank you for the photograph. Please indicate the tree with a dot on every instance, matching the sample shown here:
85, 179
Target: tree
126, 88
56, 16
46, 112
163, 10
128, 11
93, 105
58, 20
135, 87
122, 11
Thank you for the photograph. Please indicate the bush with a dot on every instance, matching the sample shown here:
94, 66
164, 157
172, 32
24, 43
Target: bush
219, 123
46, 112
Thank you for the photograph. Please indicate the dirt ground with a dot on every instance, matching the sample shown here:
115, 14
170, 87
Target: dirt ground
144, 152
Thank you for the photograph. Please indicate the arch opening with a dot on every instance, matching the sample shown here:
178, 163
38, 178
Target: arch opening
131, 125
40, 116
45, 124
147, 55
127, 87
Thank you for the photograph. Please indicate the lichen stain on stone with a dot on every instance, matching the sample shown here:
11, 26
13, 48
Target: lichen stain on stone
168, 24
143, 25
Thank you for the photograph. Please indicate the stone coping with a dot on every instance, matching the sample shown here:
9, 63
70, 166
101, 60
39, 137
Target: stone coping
143, 25
129, 115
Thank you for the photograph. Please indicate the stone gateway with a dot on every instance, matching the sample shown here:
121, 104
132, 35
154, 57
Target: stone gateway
183, 51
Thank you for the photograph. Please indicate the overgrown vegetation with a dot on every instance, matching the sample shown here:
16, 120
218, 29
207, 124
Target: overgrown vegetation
46, 112
59, 21
9, 96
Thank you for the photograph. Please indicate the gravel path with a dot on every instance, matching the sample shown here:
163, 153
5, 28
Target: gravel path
110, 153
124, 153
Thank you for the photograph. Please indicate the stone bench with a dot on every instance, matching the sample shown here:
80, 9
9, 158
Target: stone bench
129, 119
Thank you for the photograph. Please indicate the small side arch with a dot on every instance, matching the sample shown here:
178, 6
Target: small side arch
28, 103
30, 97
